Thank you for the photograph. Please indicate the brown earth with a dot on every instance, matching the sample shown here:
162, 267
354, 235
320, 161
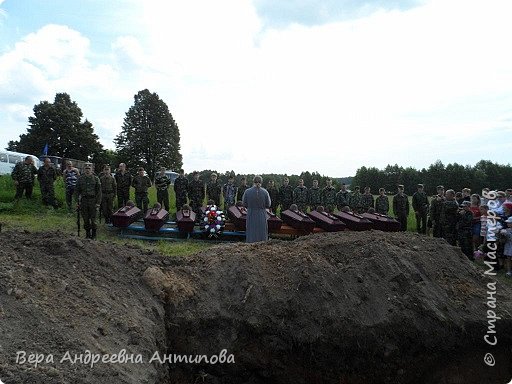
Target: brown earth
327, 308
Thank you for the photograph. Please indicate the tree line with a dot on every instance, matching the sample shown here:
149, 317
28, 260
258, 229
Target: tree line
456, 176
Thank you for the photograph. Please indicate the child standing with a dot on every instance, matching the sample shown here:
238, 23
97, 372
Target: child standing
507, 251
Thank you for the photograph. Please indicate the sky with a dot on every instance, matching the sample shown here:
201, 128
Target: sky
264, 86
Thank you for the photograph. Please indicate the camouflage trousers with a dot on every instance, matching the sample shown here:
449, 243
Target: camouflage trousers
122, 197
24, 187
181, 200
196, 207
402, 219
162, 196
466, 243
142, 202
48, 194
303, 207
88, 212
107, 205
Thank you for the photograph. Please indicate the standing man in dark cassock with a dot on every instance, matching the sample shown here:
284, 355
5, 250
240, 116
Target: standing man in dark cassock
256, 200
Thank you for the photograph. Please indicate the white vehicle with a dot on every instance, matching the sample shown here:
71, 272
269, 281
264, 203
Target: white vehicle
9, 159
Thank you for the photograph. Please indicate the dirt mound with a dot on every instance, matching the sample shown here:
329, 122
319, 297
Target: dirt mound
330, 308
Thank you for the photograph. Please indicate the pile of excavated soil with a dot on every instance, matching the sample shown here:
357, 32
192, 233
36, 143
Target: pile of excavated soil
350, 307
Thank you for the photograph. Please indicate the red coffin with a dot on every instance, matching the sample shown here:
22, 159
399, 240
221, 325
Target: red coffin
298, 220
382, 222
327, 221
125, 216
238, 216
155, 219
354, 221
186, 220
274, 223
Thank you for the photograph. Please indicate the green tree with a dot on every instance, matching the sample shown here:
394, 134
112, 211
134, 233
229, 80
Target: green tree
149, 137
59, 125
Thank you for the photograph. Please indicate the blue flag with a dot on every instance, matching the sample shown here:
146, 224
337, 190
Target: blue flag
45, 150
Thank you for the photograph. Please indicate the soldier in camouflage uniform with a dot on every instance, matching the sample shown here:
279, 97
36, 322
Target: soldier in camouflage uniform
141, 183
285, 195
88, 192
329, 197
300, 196
382, 202
464, 226
213, 189
196, 194
315, 196
449, 217
124, 181
23, 175
46, 175
436, 205
241, 189
366, 200
401, 207
355, 201
162, 183
342, 197
273, 192
181, 190
229, 191
108, 191
420, 206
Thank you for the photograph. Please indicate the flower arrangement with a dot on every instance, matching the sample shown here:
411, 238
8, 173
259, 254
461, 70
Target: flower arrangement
213, 221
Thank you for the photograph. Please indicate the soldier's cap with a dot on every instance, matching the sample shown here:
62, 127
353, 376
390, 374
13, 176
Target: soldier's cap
465, 203
88, 165
420, 185
509, 190
500, 194
140, 169
440, 187
401, 186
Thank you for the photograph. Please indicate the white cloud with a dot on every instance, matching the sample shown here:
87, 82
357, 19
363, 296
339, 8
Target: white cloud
396, 86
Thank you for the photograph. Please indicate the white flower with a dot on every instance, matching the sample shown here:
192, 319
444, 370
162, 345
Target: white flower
207, 226
212, 230
205, 219
217, 226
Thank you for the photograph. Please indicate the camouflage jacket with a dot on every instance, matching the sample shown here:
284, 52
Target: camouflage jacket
124, 181
181, 186
213, 191
141, 184
24, 173
285, 196
367, 201
162, 182
88, 187
355, 200
436, 206
196, 191
465, 222
108, 184
274, 196
449, 214
420, 202
329, 196
300, 196
382, 204
46, 176
400, 204
315, 196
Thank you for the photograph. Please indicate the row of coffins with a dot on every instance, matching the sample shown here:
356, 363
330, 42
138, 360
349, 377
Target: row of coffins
156, 217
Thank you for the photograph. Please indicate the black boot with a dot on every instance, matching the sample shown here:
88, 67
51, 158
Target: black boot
93, 235
87, 233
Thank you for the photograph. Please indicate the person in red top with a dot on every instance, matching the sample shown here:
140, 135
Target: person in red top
475, 210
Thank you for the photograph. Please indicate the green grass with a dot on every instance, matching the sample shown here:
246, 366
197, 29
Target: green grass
31, 215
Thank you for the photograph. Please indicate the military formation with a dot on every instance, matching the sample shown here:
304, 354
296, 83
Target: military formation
458, 217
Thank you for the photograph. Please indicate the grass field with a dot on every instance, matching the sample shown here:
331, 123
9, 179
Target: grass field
32, 215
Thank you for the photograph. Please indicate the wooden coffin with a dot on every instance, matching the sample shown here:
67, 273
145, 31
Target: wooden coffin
238, 215
327, 221
125, 216
155, 219
185, 219
382, 222
353, 221
274, 223
298, 220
